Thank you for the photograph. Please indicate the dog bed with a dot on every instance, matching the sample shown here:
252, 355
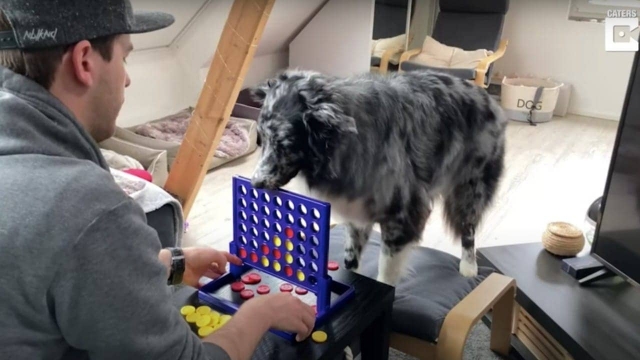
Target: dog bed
121, 154
431, 287
239, 137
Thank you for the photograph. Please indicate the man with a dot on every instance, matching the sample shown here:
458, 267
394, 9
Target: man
82, 274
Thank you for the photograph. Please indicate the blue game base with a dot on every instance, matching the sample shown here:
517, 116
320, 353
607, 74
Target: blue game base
218, 295
284, 237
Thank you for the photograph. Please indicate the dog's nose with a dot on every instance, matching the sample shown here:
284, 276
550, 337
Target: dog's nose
257, 183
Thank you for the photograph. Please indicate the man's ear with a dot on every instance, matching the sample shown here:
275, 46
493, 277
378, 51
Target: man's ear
259, 92
82, 63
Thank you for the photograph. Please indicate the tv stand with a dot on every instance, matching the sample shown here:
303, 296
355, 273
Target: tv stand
556, 317
601, 274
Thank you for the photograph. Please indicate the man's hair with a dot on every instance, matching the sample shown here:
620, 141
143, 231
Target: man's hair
41, 65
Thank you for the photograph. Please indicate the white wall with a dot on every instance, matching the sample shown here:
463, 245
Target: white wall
262, 67
197, 45
543, 42
337, 41
157, 87
169, 79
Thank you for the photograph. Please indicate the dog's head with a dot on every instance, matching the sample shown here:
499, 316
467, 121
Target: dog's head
300, 116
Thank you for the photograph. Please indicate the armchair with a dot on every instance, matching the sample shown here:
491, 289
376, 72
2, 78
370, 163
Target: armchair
435, 307
389, 24
468, 25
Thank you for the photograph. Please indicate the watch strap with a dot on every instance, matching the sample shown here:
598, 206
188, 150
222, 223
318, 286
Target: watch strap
178, 266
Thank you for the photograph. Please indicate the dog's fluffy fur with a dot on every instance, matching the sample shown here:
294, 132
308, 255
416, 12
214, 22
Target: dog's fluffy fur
380, 148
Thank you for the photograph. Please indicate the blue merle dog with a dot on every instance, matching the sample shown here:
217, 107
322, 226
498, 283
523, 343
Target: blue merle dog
380, 149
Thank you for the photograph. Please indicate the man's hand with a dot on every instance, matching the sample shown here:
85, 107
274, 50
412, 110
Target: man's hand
285, 312
280, 311
207, 262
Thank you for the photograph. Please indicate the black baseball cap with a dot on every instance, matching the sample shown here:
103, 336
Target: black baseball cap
40, 24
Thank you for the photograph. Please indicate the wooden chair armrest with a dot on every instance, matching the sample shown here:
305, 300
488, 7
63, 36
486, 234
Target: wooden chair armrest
484, 64
409, 54
386, 56
496, 292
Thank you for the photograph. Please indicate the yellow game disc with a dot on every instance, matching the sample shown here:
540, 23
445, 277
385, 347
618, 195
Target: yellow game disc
205, 331
224, 319
215, 318
265, 261
300, 275
319, 336
276, 266
187, 309
203, 310
289, 245
193, 317
203, 321
288, 258
277, 241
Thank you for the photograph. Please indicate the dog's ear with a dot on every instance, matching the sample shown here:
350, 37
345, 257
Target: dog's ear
322, 109
259, 92
327, 117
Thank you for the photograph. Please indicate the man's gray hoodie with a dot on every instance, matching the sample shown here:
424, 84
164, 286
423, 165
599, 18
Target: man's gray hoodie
79, 269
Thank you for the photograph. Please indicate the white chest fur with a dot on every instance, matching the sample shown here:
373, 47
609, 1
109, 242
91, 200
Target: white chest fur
343, 210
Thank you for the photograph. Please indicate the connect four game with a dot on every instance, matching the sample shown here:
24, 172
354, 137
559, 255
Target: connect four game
283, 240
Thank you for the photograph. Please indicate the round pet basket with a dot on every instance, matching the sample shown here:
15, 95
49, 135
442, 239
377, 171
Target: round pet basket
563, 239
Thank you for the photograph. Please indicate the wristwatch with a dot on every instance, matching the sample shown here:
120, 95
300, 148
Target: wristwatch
177, 266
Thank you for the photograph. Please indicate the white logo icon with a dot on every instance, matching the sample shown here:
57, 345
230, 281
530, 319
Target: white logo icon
621, 34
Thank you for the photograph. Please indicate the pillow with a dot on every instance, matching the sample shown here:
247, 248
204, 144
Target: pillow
119, 161
378, 47
436, 54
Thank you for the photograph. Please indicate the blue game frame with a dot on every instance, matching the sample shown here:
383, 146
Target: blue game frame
285, 235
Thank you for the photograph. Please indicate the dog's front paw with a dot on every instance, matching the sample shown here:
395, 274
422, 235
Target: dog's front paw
468, 269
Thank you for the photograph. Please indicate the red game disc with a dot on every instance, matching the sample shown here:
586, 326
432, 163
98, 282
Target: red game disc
277, 254
237, 286
333, 265
246, 294
251, 279
289, 232
255, 278
286, 288
263, 289
243, 253
301, 291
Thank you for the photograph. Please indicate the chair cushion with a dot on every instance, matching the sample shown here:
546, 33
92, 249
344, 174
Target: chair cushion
430, 288
467, 74
469, 31
475, 6
437, 54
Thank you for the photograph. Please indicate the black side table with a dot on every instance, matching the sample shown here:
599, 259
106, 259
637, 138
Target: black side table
364, 321
556, 317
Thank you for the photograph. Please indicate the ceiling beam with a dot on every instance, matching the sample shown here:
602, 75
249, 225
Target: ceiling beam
234, 54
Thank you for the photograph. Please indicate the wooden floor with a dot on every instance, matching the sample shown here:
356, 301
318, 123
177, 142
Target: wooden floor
553, 173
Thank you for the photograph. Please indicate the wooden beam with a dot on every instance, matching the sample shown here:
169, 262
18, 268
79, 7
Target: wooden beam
234, 54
